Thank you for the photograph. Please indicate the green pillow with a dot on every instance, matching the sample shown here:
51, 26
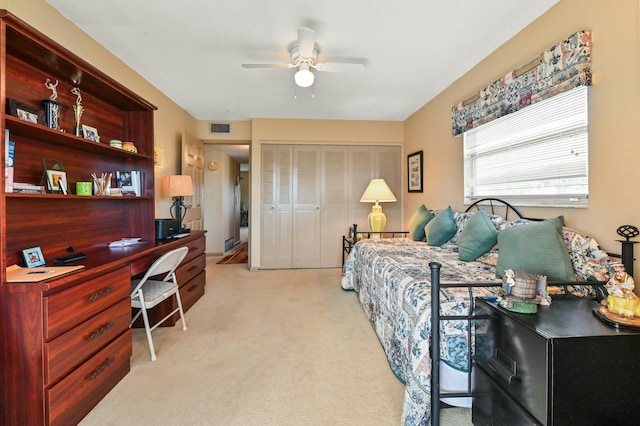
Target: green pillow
441, 228
418, 221
478, 236
537, 248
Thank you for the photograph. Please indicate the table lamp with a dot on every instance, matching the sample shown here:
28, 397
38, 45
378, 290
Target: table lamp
178, 187
377, 192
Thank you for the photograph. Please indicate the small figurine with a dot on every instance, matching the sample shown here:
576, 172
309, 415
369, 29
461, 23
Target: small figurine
52, 86
622, 300
621, 283
78, 109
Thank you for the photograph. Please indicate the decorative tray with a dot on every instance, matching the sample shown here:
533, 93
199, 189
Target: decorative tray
614, 319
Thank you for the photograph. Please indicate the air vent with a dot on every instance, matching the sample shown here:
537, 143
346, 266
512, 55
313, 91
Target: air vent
220, 128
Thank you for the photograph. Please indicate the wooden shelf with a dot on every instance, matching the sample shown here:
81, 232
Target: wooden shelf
76, 197
37, 131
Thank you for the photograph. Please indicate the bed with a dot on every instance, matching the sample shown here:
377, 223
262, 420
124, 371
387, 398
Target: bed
396, 280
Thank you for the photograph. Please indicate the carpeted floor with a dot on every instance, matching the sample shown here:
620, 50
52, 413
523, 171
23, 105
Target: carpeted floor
240, 254
281, 348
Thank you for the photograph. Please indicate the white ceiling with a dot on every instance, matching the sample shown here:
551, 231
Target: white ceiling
192, 50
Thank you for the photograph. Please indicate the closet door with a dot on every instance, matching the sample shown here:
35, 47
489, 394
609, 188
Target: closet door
388, 164
334, 209
369, 162
276, 207
306, 206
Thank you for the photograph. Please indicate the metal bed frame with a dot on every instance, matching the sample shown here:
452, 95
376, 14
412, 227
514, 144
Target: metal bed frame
491, 206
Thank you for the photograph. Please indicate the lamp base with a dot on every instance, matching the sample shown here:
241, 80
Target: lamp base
377, 220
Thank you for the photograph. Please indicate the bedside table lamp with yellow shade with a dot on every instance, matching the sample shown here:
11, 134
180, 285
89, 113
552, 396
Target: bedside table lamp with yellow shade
377, 192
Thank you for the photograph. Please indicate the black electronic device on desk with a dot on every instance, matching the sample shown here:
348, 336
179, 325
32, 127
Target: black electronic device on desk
167, 228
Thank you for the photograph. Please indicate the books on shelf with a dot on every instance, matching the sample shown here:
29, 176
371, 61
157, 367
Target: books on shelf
8, 163
28, 188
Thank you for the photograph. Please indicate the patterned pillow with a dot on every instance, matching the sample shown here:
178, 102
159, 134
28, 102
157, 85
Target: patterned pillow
589, 261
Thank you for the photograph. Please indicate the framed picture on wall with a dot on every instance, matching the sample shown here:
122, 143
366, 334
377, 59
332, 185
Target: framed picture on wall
414, 170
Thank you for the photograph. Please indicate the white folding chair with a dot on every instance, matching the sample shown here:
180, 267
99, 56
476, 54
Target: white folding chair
147, 293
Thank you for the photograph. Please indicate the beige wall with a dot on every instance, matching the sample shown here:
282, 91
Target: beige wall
313, 132
614, 169
170, 119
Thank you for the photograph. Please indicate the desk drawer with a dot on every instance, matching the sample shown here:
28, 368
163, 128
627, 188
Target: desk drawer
189, 269
75, 346
65, 310
192, 291
196, 248
71, 399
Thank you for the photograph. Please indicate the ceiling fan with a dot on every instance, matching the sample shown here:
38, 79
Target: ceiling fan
304, 55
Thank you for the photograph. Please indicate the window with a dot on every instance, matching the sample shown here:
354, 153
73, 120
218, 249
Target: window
537, 156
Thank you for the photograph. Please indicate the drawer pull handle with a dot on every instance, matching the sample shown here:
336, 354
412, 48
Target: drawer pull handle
192, 248
101, 293
504, 366
193, 287
194, 267
101, 369
100, 330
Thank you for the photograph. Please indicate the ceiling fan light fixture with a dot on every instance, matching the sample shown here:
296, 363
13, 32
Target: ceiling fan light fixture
304, 77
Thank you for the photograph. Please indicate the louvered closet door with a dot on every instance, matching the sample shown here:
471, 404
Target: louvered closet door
387, 166
370, 162
306, 206
335, 204
276, 207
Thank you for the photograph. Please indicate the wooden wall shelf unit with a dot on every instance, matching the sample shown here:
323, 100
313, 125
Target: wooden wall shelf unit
65, 342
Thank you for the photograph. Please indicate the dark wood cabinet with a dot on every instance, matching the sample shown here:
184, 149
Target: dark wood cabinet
66, 342
561, 366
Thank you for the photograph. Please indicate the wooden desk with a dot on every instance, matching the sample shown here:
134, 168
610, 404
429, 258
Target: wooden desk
66, 342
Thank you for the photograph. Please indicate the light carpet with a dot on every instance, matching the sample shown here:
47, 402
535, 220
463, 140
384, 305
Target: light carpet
263, 348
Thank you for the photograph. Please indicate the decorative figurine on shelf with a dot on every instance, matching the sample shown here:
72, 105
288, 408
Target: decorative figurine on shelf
622, 300
52, 108
621, 283
78, 109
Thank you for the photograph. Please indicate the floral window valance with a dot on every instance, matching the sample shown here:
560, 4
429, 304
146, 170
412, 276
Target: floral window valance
560, 68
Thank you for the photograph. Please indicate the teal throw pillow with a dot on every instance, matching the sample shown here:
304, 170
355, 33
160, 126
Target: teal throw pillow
537, 248
417, 223
441, 228
478, 236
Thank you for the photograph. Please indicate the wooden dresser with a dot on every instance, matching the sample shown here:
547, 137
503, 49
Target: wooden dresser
65, 342
561, 366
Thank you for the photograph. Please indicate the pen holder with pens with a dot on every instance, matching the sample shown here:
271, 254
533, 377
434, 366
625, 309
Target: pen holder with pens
101, 184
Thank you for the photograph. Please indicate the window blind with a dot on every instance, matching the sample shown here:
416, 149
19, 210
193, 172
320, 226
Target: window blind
537, 156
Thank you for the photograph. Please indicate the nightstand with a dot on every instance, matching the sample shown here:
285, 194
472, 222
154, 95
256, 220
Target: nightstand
561, 366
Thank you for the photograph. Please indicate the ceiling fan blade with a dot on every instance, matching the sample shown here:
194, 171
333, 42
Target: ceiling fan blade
339, 66
306, 41
268, 65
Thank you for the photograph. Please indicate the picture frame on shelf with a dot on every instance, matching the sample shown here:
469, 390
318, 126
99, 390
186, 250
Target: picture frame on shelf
33, 257
90, 133
57, 181
414, 170
25, 112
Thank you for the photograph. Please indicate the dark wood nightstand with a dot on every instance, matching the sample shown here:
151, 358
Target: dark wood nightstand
561, 366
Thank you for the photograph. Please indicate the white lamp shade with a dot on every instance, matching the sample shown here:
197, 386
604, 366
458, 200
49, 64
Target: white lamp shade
176, 186
378, 191
304, 77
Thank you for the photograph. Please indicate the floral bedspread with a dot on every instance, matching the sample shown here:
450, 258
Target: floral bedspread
392, 279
